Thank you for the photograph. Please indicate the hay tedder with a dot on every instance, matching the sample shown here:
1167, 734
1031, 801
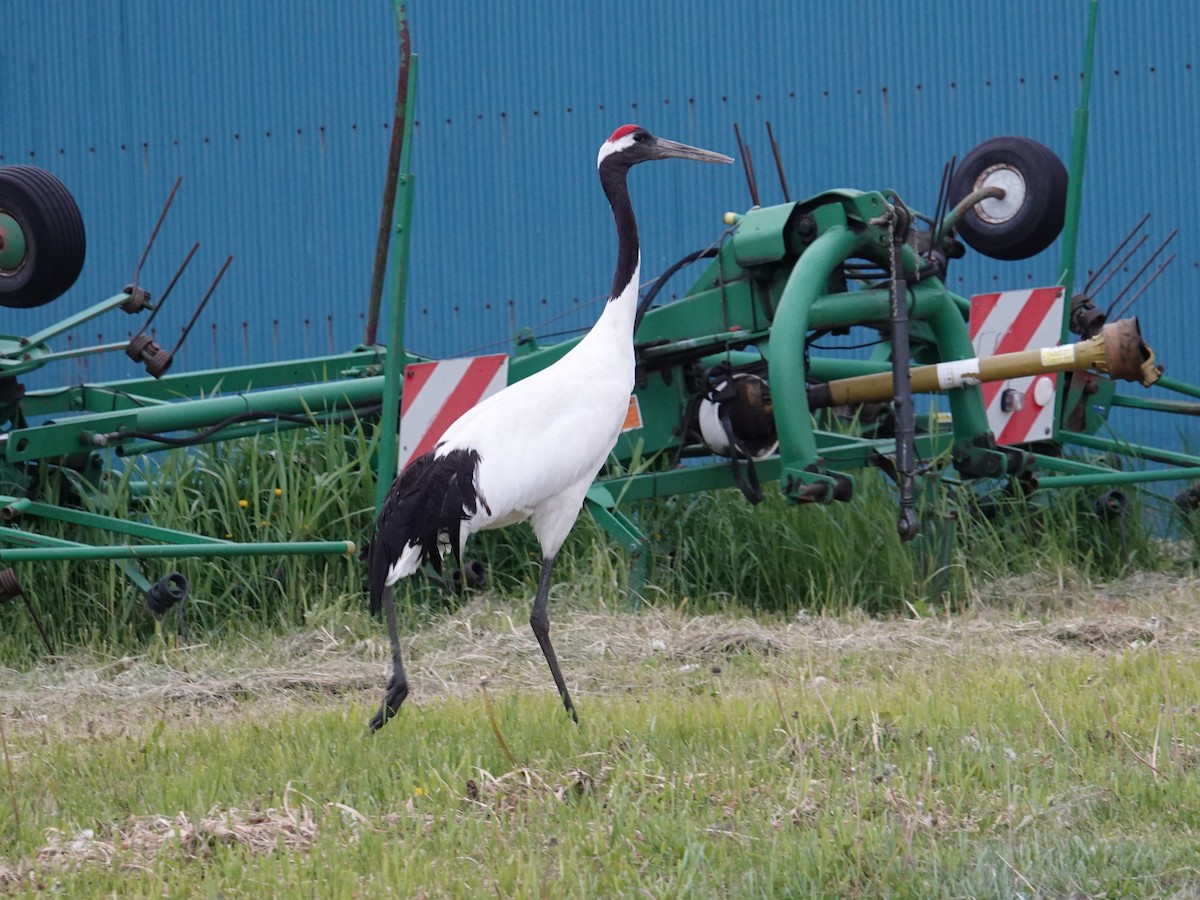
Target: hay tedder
736, 384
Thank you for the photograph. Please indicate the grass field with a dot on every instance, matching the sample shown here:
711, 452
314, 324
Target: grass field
1008, 706
1040, 743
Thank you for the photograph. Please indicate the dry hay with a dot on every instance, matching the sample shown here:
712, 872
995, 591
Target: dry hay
141, 841
602, 652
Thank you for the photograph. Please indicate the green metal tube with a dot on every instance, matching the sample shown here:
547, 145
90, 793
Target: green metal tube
170, 388
74, 434
1176, 407
1112, 477
68, 323
100, 522
1125, 448
824, 368
1179, 387
1072, 466
789, 331
393, 366
1078, 154
172, 551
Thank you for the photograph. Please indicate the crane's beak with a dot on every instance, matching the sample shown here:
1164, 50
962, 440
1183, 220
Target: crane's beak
666, 149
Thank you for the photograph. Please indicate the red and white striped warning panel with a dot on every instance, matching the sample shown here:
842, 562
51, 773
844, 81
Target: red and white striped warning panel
435, 394
1019, 410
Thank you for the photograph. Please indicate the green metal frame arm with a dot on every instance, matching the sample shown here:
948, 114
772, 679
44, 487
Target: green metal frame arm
1079, 135
177, 551
25, 507
789, 332
1092, 479
1127, 448
393, 367
88, 431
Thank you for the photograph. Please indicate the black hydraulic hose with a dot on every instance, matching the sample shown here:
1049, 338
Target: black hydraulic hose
648, 299
200, 437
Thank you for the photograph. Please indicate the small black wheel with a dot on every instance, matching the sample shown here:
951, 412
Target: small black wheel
1030, 215
42, 241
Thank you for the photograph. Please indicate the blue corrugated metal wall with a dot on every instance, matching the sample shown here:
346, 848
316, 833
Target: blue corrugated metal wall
277, 117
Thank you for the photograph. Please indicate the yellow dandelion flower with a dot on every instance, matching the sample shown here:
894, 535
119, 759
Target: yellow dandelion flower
243, 503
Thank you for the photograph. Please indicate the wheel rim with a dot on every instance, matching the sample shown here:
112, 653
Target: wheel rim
997, 211
12, 244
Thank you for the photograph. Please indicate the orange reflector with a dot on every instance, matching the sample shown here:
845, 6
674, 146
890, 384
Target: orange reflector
633, 416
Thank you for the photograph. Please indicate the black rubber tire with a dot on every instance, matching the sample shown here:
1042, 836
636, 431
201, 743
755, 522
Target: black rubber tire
55, 242
1033, 226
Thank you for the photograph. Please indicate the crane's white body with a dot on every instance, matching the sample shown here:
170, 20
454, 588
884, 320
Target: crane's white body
531, 451
542, 440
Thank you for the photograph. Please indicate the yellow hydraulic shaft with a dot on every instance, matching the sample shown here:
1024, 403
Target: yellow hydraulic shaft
1118, 350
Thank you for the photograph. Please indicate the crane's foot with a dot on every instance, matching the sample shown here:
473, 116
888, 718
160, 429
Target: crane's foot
397, 690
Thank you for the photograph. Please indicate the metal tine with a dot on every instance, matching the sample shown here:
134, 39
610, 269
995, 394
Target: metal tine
747, 165
154, 233
787, 198
1117, 299
1107, 278
167, 293
942, 197
1087, 287
1166, 262
199, 309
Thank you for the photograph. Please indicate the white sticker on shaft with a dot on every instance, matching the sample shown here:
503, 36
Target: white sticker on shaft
1058, 356
957, 373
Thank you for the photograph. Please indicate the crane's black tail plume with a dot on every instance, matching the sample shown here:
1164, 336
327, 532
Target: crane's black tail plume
422, 517
425, 509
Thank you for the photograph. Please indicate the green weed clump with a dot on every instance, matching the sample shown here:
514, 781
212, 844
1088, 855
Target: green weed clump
708, 551
293, 486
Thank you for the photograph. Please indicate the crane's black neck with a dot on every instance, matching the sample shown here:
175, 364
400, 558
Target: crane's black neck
612, 178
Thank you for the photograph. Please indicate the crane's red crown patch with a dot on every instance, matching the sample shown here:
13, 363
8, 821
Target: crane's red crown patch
622, 131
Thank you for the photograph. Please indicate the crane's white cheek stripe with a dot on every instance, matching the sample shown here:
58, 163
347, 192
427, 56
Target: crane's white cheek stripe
608, 148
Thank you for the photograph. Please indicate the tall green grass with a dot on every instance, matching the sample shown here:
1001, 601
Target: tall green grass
709, 551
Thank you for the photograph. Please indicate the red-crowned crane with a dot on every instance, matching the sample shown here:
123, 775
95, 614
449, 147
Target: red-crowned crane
531, 450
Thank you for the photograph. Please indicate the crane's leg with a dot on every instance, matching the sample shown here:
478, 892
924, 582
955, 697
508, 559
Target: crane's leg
539, 621
397, 686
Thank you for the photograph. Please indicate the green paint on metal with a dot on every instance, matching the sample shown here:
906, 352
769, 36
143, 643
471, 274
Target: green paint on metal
1078, 155
1180, 387
1136, 451
100, 522
808, 280
64, 325
107, 429
12, 243
762, 235
1177, 407
620, 528
393, 369
1114, 477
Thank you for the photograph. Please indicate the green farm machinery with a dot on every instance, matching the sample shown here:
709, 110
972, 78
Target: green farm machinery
734, 388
